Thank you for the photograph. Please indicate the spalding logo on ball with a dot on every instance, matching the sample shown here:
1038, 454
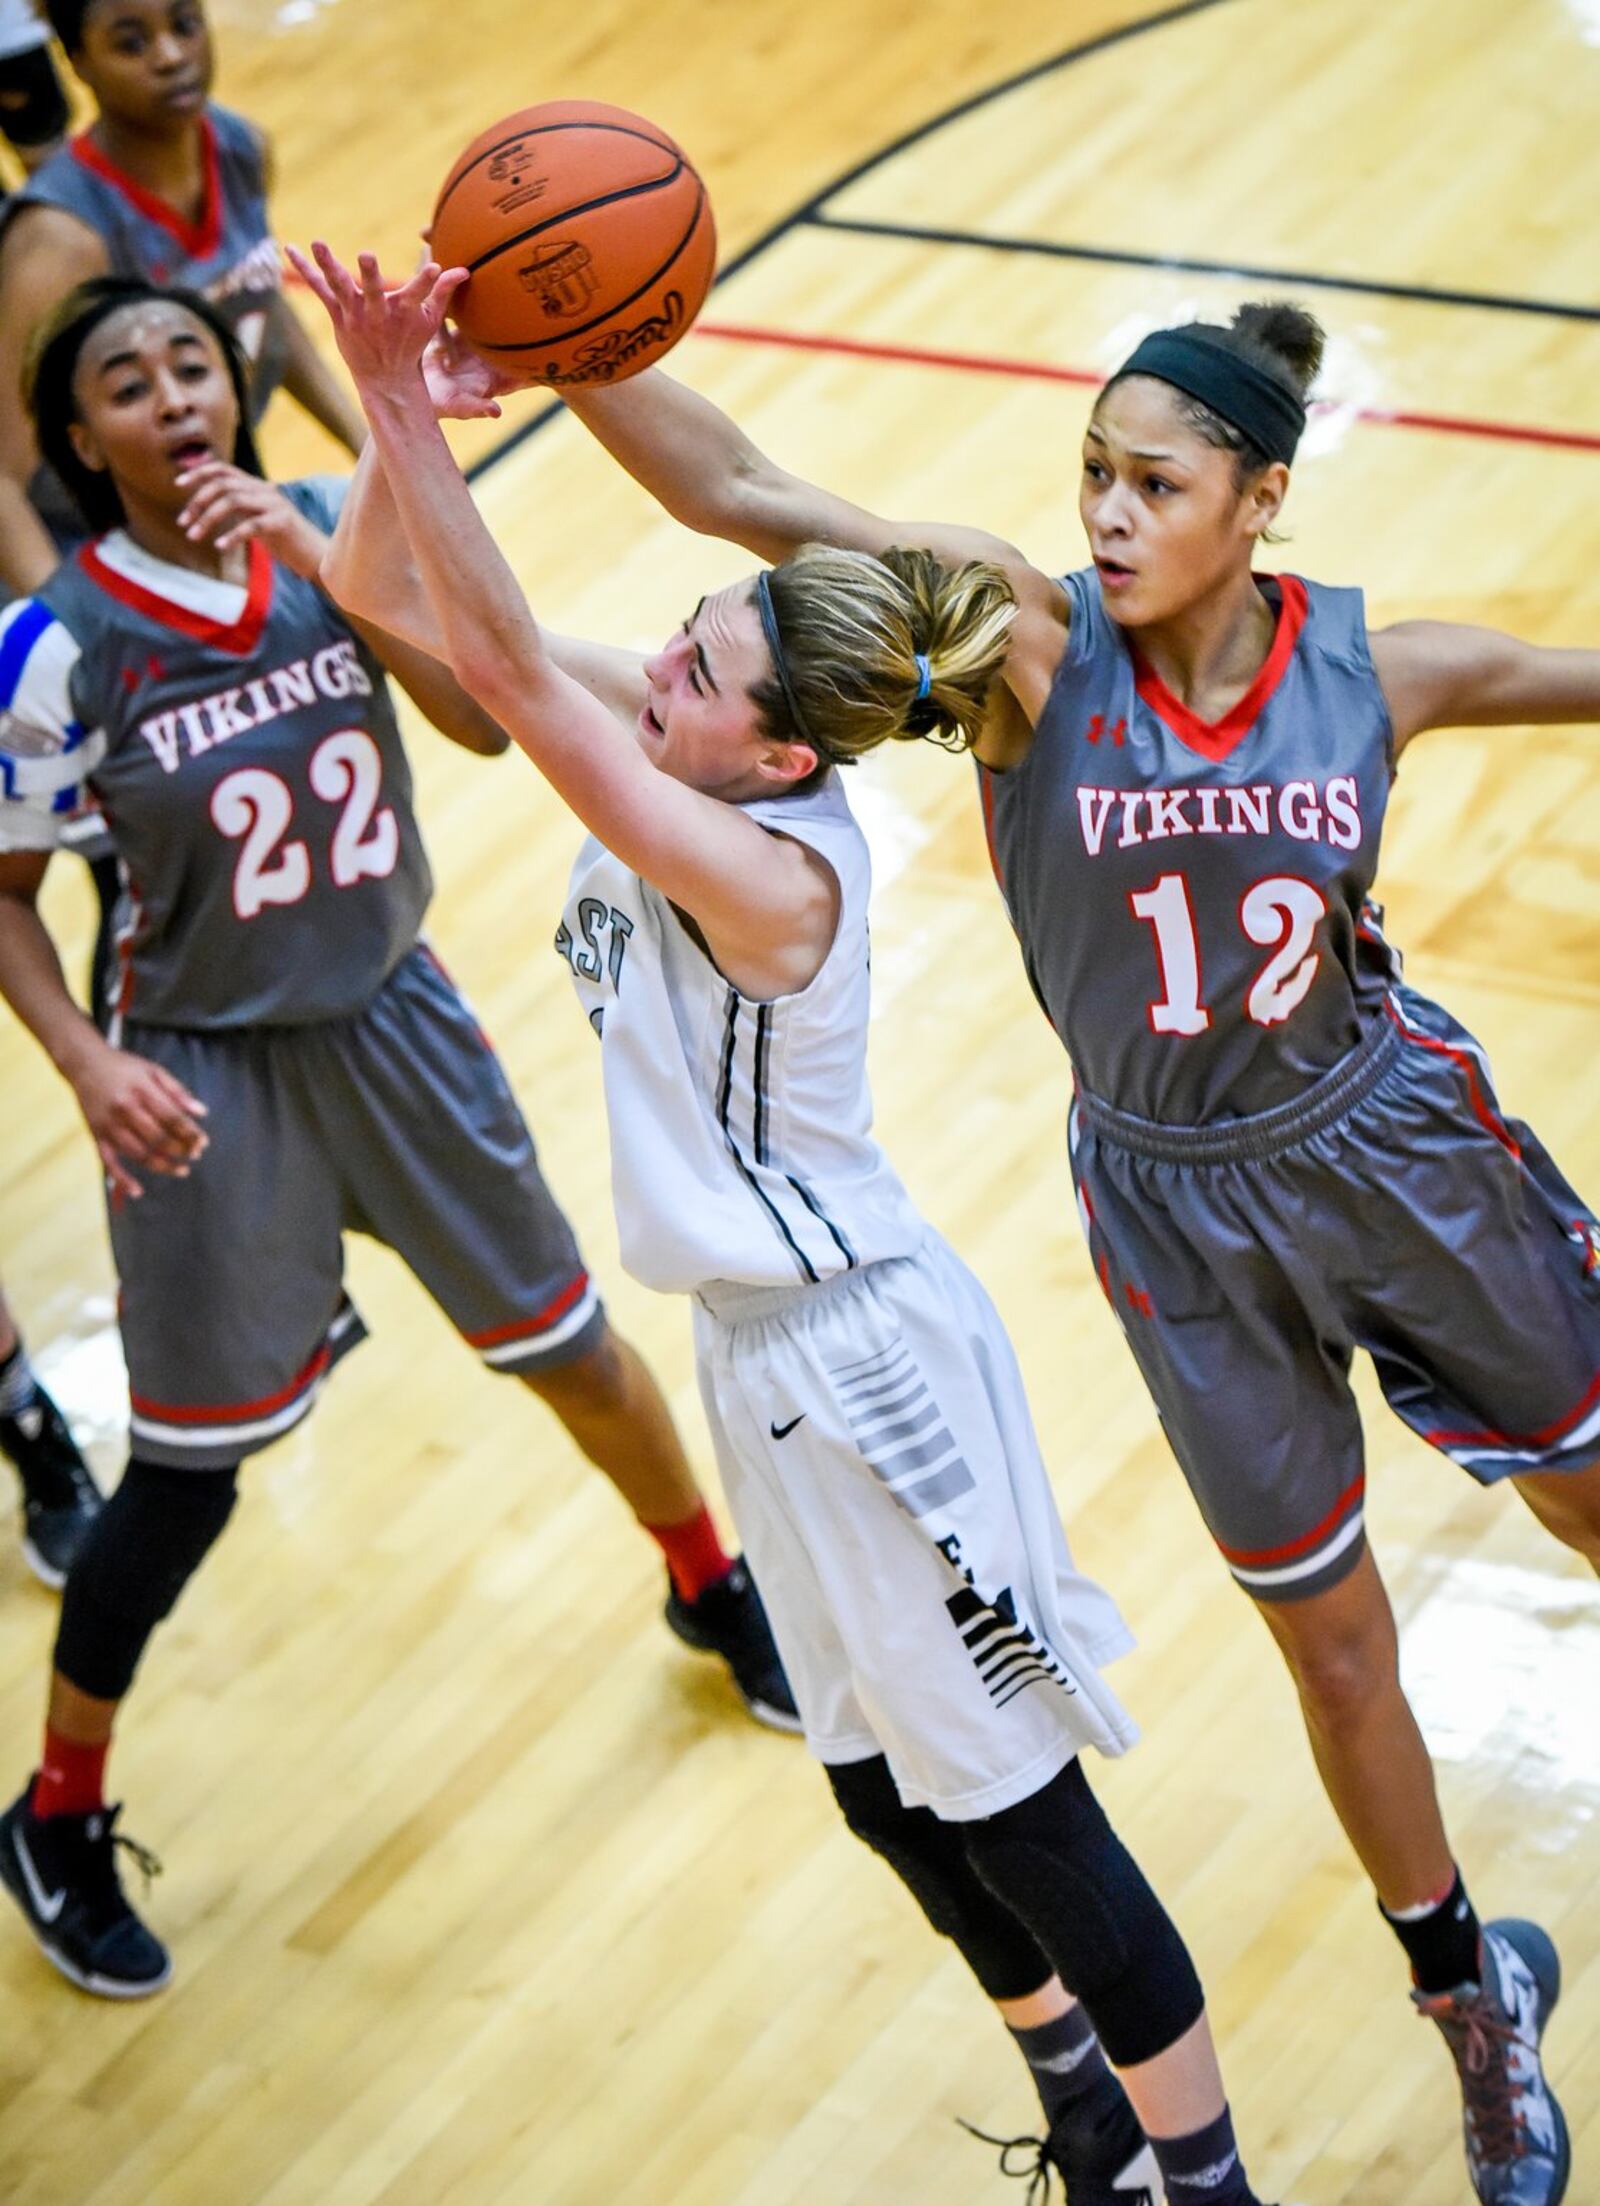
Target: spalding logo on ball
587, 238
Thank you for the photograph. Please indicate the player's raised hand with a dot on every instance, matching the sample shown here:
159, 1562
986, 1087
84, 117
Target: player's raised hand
382, 331
227, 506
463, 385
139, 1115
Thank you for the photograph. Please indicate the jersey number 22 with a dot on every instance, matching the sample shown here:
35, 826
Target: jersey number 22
258, 806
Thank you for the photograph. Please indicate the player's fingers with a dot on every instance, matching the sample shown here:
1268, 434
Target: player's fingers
372, 285
175, 1092
212, 505
205, 471
137, 1127
340, 281
447, 282
177, 1127
312, 277
122, 1180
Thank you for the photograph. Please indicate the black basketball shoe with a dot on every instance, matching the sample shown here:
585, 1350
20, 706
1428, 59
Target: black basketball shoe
729, 1620
62, 1872
1095, 2146
60, 1499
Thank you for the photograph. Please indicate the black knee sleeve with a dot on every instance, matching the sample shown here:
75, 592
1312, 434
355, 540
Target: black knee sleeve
930, 1859
144, 1547
1056, 1862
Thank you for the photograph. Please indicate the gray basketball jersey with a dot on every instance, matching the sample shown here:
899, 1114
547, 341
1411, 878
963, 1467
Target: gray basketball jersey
255, 786
1189, 896
229, 255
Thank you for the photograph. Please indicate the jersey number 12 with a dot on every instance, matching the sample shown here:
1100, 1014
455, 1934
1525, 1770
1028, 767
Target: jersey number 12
1281, 912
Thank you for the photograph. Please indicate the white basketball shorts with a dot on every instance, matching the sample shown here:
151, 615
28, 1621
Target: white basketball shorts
881, 1465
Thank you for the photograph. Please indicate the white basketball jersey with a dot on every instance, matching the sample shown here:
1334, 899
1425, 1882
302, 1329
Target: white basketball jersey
741, 1142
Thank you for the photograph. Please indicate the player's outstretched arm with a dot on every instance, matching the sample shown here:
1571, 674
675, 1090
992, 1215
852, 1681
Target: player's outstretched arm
739, 882
700, 466
1438, 675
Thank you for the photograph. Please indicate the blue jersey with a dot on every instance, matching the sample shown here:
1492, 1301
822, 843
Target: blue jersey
243, 748
1190, 896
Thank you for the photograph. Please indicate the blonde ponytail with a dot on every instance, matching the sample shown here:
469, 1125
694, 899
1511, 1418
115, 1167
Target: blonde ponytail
877, 650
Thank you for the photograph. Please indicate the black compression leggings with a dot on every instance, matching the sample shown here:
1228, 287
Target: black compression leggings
142, 1550
1044, 1887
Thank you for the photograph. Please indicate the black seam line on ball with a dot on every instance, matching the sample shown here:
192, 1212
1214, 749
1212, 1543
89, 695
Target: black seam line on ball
565, 336
576, 214
547, 130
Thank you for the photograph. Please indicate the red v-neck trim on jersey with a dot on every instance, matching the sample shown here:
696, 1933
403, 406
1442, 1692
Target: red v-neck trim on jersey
198, 239
239, 637
1214, 739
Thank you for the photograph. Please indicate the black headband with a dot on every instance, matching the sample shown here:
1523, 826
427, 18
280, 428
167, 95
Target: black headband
1257, 404
780, 664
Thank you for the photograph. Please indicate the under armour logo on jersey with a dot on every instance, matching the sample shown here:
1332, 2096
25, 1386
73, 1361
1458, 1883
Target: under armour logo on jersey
154, 671
1097, 728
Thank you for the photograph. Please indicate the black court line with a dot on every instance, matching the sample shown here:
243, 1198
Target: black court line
818, 218
812, 207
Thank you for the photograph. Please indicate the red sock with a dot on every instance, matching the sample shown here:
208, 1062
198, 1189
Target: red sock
71, 1779
695, 1555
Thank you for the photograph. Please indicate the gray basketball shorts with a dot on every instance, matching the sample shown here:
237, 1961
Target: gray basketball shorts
1392, 1208
398, 1123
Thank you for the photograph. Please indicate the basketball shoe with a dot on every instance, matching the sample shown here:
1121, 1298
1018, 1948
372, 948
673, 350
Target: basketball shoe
62, 1872
1518, 2153
728, 1619
60, 1499
1095, 2146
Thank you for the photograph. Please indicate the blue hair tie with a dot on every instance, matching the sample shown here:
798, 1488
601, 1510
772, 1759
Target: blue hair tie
924, 676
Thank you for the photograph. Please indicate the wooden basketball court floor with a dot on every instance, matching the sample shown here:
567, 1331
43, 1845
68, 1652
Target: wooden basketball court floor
479, 1888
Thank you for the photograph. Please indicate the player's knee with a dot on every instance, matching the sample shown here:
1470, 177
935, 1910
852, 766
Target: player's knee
1056, 1863
1568, 1505
930, 1859
594, 1384
908, 1839
1343, 1669
142, 1550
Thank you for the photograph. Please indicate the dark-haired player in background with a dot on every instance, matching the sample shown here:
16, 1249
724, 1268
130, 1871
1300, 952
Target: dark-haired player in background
1282, 1152
287, 1060
163, 184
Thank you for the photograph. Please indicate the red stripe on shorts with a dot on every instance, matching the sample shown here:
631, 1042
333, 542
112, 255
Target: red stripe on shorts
541, 1323
232, 1413
1253, 1557
1542, 1439
1481, 1110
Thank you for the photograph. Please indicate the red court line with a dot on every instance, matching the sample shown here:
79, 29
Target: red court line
1037, 371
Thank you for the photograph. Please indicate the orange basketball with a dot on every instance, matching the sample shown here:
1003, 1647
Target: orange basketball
588, 239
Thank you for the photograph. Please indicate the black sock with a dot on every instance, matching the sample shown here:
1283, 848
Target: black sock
1204, 2168
1065, 2059
1443, 1942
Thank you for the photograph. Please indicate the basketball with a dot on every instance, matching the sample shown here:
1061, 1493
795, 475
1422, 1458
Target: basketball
588, 240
